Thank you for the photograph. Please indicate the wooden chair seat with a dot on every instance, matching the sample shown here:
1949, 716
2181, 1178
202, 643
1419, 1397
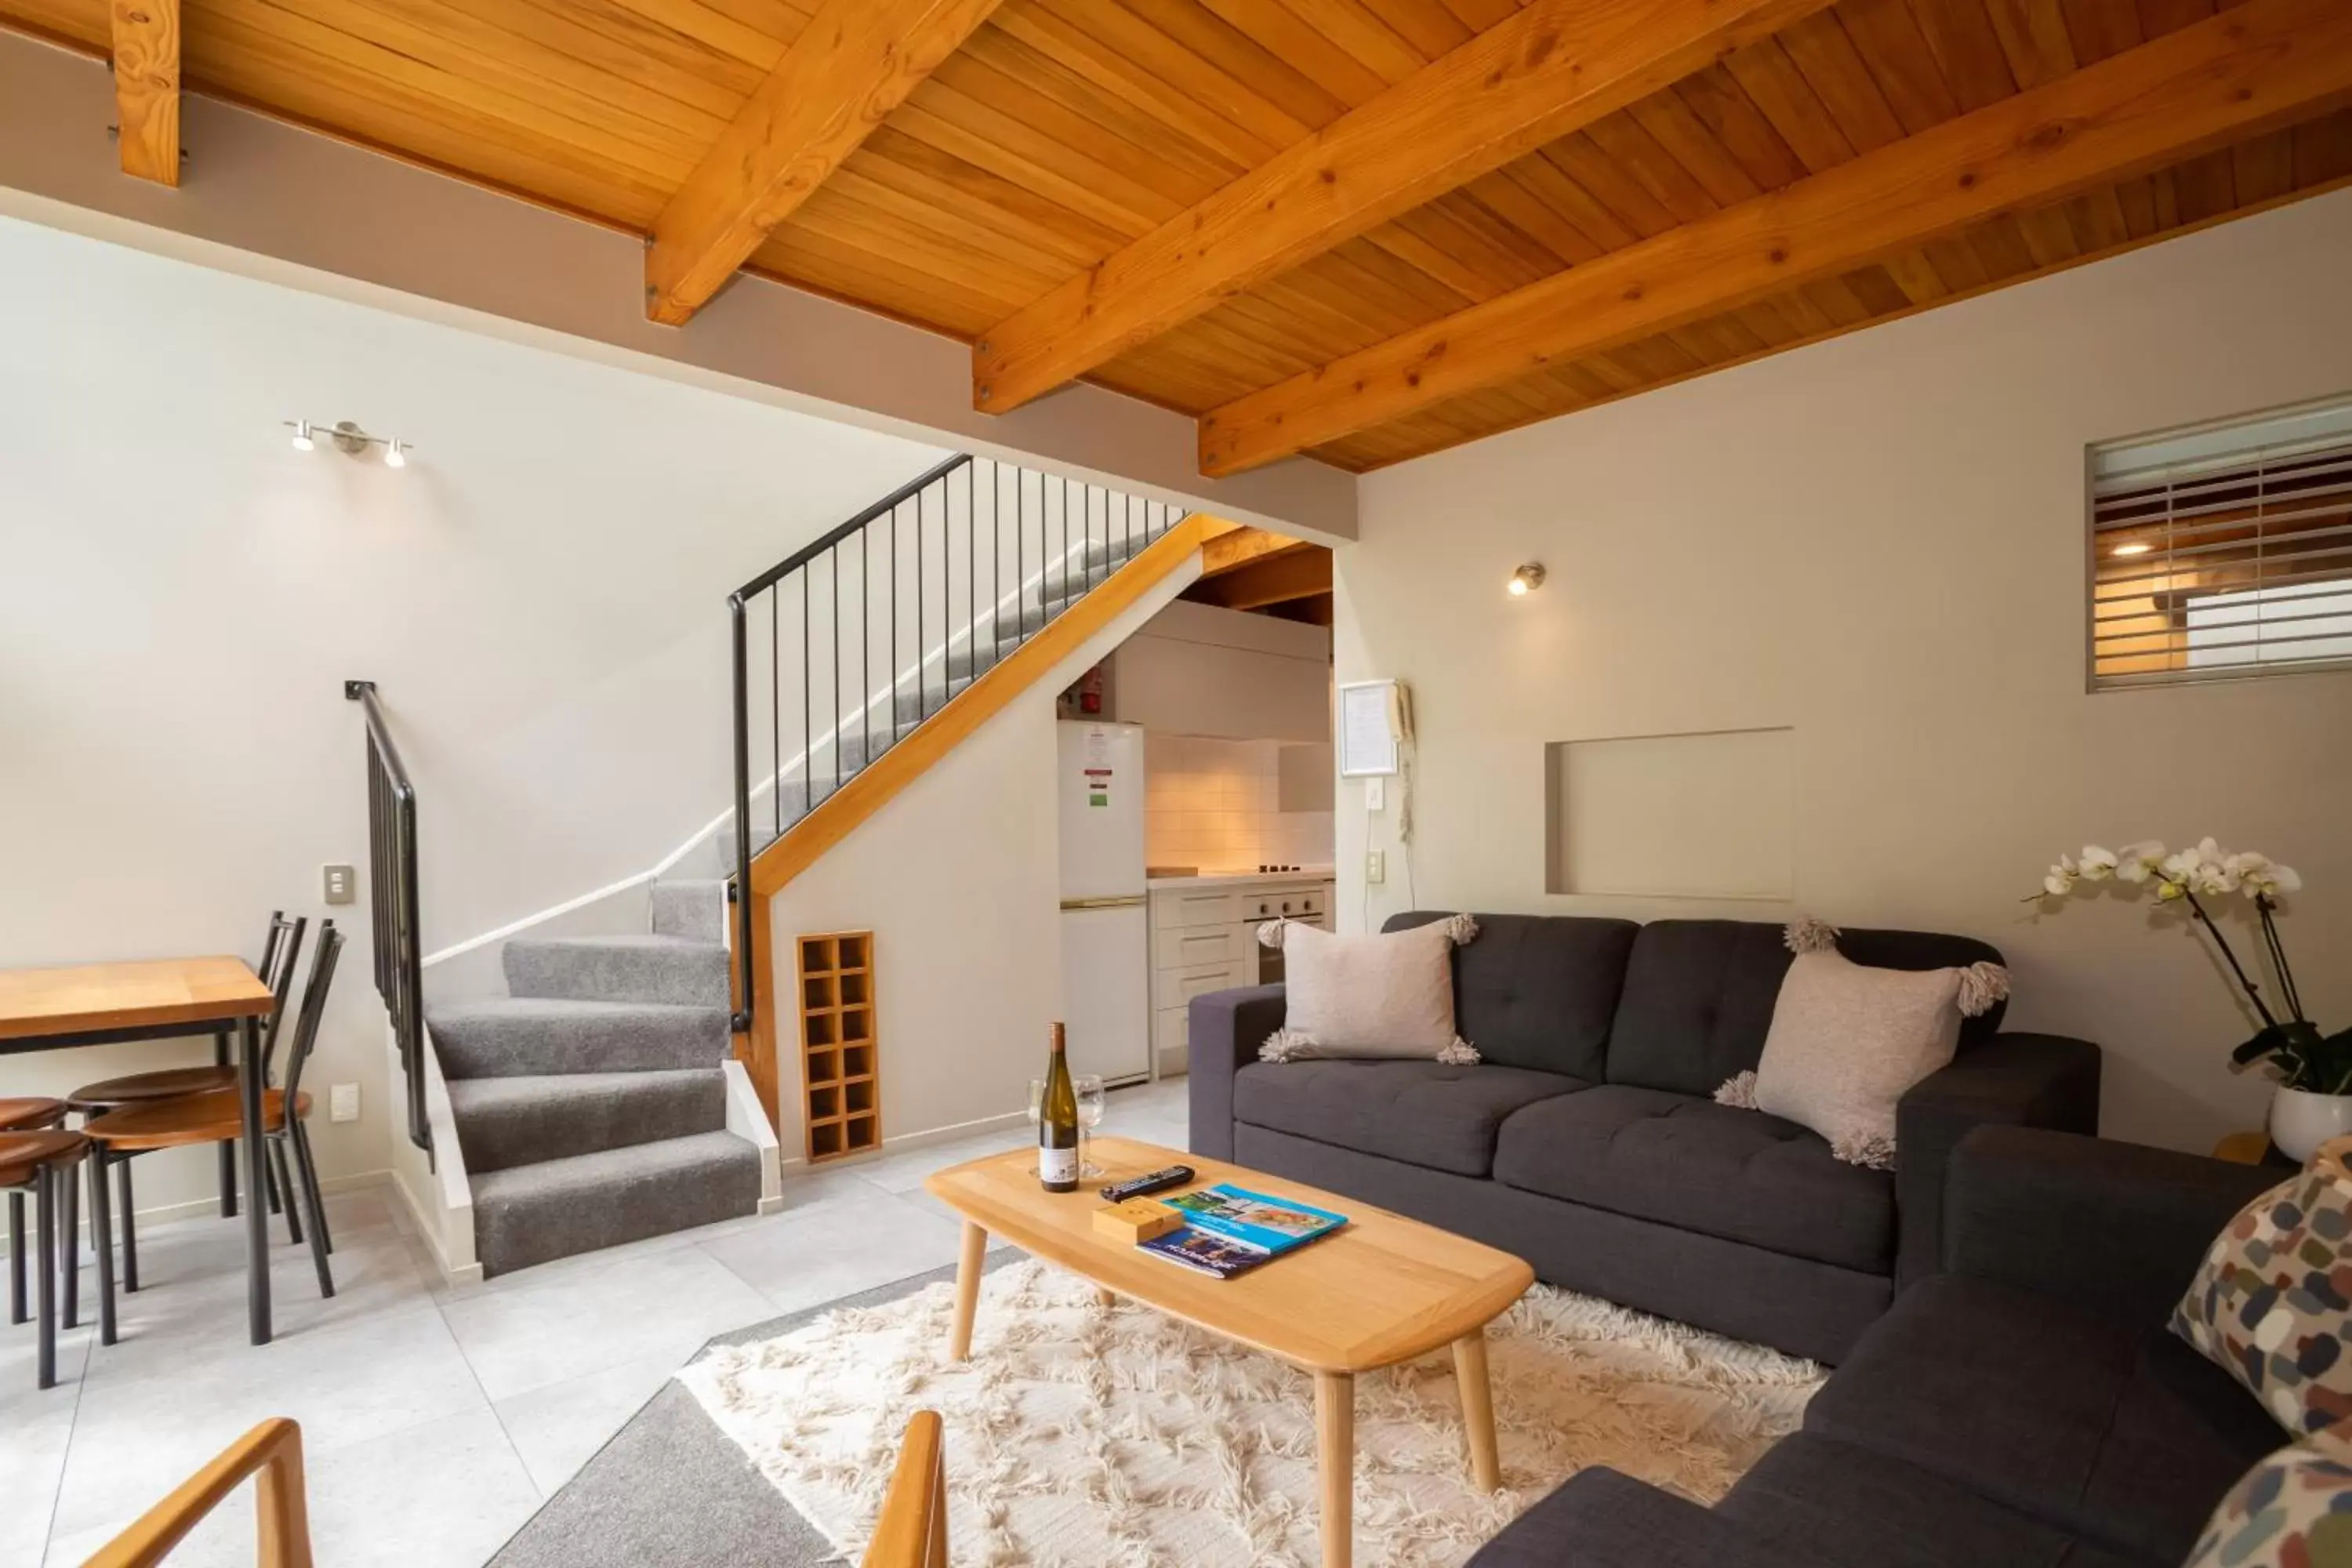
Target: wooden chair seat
30, 1114
22, 1153
168, 1084
191, 1119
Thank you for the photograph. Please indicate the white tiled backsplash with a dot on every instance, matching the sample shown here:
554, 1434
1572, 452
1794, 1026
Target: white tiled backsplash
1216, 804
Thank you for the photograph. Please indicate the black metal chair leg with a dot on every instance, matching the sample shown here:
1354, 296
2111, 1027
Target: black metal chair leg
269, 1183
310, 1172
227, 1154
130, 1228
16, 1313
285, 1184
45, 1188
318, 1224
68, 1251
102, 1238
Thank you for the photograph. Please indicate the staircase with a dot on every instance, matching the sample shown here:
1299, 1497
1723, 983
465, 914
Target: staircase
590, 1104
591, 1101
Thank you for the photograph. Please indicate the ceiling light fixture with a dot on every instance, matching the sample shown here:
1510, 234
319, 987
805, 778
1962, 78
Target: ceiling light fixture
350, 440
1527, 579
2132, 547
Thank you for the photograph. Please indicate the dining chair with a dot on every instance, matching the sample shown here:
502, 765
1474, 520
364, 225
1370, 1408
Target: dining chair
215, 1117
912, 1529
23, 1115
279, 949
40, 1164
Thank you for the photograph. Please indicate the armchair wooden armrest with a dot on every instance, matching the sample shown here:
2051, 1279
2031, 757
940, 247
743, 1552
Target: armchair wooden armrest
913, 1530
274, 1448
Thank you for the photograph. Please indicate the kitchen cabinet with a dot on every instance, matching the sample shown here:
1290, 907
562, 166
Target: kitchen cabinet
1204, 935
1195, 669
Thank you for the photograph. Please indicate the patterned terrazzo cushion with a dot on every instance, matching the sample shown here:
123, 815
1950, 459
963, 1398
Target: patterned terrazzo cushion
2292, 1510
2272, 1303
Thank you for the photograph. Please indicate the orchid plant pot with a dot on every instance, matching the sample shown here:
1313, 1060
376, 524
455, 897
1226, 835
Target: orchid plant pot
2312, 1101
2301, 1120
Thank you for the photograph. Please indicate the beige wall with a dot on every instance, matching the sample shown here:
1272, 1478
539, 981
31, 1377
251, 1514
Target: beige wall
1880, 542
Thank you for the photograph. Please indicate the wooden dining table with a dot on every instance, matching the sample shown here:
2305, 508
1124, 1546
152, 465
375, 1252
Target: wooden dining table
158, 999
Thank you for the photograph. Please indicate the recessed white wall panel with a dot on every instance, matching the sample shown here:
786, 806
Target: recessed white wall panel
1704, 817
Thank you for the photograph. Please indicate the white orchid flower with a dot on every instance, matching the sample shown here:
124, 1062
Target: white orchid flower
2139, 860
2061, 879
2267, 880
2097, 864
2214, 878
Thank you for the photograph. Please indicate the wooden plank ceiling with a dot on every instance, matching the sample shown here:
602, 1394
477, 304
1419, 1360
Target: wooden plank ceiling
1053, 134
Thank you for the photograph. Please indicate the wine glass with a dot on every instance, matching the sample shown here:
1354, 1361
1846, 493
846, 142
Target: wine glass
1088, 1087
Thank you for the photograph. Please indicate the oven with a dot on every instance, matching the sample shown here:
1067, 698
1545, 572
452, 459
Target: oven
1304, 904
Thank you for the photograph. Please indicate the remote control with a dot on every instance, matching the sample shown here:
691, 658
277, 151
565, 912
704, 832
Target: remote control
1158, 1182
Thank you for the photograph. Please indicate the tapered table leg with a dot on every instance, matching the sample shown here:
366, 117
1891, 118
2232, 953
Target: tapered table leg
256, 1182
1335, 1445
1477, 1409
967, 1268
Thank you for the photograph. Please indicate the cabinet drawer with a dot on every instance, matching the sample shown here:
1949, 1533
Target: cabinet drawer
1170, 1037
1178, 990
1201, 907
1189, 947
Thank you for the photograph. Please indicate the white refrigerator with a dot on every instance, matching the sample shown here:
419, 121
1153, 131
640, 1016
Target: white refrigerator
1106, 945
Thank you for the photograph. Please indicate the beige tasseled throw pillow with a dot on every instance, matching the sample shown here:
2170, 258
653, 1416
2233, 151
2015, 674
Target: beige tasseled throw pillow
1847, 1042
1387, 996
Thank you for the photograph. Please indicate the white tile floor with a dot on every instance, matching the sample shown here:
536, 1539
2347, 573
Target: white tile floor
434, 1423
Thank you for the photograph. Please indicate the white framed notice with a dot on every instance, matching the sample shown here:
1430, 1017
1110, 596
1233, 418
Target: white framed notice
1367, 729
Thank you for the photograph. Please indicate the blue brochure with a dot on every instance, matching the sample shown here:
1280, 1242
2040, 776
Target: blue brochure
1229, 1230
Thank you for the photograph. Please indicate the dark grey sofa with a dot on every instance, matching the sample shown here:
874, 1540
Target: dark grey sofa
1586, 1140
2028, 1408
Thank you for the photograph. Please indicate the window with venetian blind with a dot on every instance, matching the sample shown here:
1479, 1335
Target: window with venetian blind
2223, 552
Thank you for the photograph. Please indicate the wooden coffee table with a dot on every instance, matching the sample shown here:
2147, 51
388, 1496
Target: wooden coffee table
1384, 1289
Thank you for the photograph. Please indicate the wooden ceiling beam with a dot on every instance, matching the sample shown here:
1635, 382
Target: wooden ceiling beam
2260, 66
855, 62
146, 39
1548, 69
1273, 581
1238, 549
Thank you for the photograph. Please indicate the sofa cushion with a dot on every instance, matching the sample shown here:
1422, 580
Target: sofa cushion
1689, 1162
2123, 1436
1538, 991
1423, 1113
1833, 1503
1699, 993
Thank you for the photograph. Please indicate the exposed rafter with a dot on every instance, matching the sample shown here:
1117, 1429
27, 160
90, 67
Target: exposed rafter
1232, 551
146, 37
855, 62
1273, 580
1528, 80
2259, 66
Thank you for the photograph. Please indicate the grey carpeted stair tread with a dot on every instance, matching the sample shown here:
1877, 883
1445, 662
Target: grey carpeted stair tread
619, 968
691, 907
533, 1214
503, 1123
539, 1035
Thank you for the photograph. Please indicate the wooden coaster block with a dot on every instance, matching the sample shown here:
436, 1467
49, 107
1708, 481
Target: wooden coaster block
1138, 1219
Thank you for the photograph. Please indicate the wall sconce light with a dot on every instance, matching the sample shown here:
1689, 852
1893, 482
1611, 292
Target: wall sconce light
1527, 579
351, 440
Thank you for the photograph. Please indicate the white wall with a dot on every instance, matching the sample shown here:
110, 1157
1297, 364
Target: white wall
540, 597
959, 878
1880, 542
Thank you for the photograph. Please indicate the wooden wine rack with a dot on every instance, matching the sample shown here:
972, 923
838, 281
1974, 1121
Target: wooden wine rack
840, 1065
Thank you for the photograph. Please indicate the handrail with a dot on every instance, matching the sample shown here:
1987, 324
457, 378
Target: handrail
392, 903
912, 1531
991, 563
274, 1448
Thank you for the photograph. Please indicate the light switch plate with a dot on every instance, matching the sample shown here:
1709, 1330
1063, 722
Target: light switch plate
1376, 793
343, 1102
342, 883
1376, 865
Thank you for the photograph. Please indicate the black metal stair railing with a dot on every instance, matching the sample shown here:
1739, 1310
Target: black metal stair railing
393, 910
844, 649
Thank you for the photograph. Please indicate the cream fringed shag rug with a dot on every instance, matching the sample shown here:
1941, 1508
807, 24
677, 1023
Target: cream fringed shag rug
1084, 1436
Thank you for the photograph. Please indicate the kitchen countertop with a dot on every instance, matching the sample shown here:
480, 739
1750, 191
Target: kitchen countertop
1242, 879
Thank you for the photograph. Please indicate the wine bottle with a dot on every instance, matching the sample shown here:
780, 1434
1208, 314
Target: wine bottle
1057, 1124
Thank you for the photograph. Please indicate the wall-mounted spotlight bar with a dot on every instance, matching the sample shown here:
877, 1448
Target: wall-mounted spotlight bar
349, 439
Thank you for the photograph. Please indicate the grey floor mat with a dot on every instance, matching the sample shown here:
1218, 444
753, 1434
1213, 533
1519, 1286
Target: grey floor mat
671, 1489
